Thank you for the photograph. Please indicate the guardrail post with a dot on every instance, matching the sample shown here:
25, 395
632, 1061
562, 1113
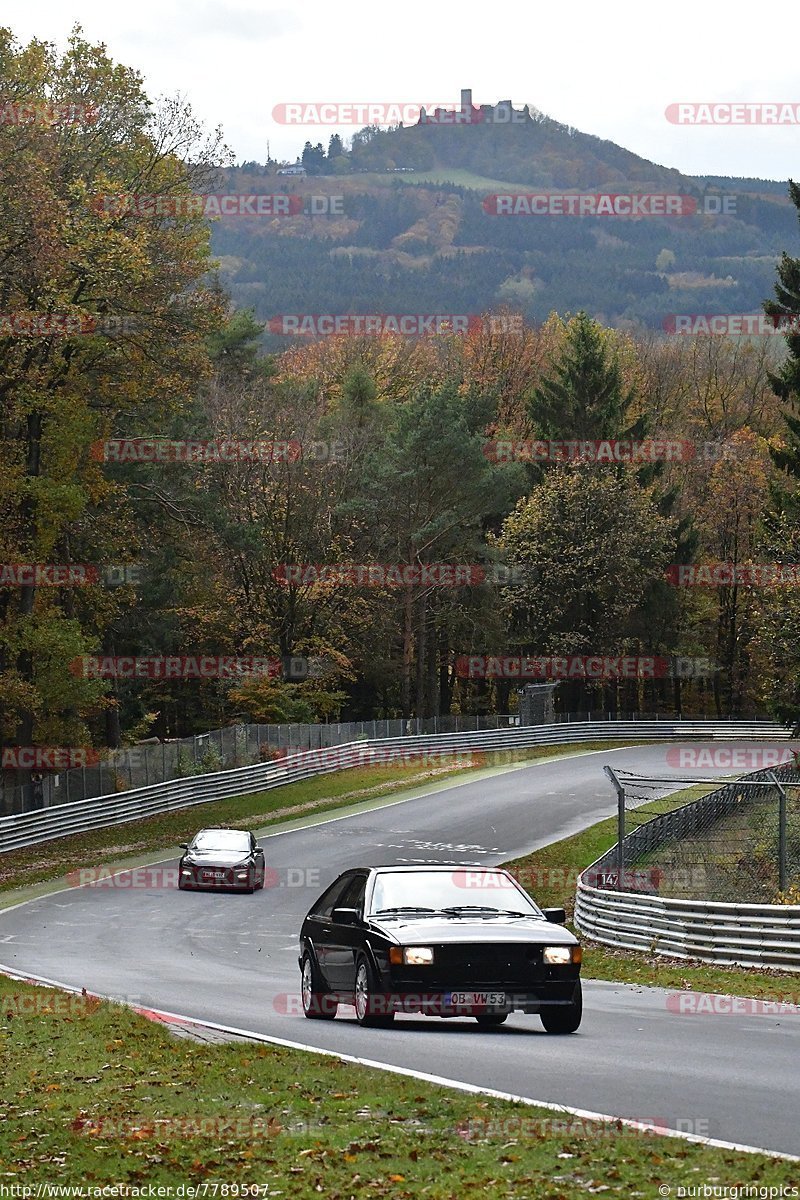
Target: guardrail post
781, 832
620, 790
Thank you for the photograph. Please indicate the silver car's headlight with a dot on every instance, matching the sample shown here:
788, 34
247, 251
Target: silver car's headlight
558, 954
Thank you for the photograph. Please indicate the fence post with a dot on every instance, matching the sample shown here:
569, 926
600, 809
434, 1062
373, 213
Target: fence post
619, 789
781, 832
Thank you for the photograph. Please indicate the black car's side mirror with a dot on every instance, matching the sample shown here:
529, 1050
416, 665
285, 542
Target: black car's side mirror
556, 915
345, 916
184, 845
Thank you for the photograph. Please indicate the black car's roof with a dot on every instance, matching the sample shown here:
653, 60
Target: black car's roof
419, 867
219, 829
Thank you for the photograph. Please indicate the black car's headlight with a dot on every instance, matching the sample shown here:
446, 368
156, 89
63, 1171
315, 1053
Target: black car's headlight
561, 955
411, 956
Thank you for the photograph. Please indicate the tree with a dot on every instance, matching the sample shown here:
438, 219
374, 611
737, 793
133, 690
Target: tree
129, 281
584, 398
786, 381
313, 158
594, 542
427, 494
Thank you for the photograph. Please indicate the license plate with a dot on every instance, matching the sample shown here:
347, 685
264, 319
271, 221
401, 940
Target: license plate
215, 874
475, 999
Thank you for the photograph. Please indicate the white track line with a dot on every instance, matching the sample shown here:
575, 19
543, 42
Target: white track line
455, 1084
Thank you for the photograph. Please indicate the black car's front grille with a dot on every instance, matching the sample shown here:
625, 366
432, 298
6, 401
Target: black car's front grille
488, 963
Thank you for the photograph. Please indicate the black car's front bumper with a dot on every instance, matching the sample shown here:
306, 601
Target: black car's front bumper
224, 878
399, 993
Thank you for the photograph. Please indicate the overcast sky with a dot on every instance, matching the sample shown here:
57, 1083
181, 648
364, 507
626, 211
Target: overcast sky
607, 69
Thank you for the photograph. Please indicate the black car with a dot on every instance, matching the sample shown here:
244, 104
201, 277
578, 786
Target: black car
221, 858
448, 941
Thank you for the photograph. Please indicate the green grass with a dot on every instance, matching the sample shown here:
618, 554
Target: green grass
550, 875
467, 179
95, 1094
136, 840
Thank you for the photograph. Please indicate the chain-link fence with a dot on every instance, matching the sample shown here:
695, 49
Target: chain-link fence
736, 843
219, 750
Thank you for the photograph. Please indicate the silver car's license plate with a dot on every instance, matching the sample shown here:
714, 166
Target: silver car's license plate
474, 999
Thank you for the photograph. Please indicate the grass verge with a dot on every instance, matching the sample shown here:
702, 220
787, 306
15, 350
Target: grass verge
260, 810
94, 1094
550, 875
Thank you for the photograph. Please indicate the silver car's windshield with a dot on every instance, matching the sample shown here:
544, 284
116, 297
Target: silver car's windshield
469, 888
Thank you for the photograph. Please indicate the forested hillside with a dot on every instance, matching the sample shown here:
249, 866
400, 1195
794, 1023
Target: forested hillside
403, 522
414, 230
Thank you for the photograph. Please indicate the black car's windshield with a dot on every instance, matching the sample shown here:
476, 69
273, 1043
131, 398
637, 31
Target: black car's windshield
222, 839
458, 892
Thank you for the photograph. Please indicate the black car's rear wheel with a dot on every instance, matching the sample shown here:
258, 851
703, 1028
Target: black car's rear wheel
487, 1020
566, 1018
317, 1005
369, 1009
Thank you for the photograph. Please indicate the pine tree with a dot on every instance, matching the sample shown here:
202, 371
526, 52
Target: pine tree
584, 397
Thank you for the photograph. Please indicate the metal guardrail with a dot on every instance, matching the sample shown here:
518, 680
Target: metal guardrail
752, 935
29, 829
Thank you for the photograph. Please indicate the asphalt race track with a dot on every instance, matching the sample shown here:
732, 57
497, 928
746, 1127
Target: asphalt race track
232, 959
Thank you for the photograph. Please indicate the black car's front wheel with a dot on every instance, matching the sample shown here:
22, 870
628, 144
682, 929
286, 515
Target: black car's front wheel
566, 1018
317, 1005
370, 1011
489, 1020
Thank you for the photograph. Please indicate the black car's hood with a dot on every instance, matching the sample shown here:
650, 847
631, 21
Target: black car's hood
216, 858
423, 931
